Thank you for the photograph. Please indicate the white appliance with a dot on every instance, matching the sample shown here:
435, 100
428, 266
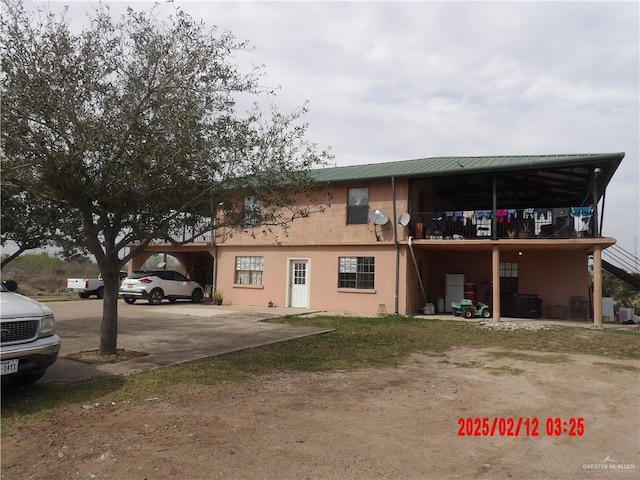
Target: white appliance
607, 309
453, 289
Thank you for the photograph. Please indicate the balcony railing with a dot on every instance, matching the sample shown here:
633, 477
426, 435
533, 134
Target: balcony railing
570, 222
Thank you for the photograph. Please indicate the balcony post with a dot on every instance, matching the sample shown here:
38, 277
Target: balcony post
494, 206
495, 276
597, 286
594, 223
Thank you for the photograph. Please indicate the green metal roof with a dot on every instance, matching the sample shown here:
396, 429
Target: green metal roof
437, 166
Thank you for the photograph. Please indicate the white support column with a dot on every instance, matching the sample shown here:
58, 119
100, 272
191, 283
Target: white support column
495, 275
597, 285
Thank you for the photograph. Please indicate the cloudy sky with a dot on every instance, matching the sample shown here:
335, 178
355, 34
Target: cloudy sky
392, 81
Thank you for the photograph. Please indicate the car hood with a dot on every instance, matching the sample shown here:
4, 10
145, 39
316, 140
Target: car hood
14, 305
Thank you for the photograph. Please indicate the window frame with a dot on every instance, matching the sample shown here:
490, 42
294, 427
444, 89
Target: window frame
357, 213
356, 272
254, 271
251, 211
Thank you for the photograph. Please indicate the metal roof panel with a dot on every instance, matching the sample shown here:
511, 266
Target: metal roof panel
425, 167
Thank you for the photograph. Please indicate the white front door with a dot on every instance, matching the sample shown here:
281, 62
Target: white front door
298, 283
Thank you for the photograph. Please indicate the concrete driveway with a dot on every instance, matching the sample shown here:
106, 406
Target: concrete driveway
169, 333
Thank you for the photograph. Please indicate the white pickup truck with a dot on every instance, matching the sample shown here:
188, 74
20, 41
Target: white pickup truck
85, 287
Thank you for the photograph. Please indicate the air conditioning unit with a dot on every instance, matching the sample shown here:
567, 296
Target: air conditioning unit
626, 314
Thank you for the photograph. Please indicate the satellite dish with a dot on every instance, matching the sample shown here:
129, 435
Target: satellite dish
404, 219
378, 217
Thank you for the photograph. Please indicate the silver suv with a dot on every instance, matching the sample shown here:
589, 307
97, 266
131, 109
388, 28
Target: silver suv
29, 343
155, 285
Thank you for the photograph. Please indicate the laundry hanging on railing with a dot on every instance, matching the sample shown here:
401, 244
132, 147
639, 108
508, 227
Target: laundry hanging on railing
581, 218
543, 217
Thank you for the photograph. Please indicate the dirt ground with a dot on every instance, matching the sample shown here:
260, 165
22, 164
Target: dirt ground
396, 423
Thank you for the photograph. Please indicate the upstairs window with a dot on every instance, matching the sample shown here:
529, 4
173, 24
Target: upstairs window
358, 206
356, 272
251, 212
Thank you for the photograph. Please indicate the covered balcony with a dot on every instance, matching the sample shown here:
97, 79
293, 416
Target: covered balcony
516, 223
481, 199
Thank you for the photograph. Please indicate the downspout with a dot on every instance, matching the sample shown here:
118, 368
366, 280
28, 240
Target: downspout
214, 280
415, 263
397, 247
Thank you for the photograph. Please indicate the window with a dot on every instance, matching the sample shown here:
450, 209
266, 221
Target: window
508, 278
249, 270
251, 212
356, 272
357, 206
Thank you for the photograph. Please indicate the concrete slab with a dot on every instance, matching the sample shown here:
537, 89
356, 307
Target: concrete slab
168, 333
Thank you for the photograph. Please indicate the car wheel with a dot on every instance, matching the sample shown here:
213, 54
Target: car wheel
468, 314
196, 296
155, 297
100, 293
129, 300
84, 295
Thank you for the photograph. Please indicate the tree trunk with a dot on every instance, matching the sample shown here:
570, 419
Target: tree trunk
109, 328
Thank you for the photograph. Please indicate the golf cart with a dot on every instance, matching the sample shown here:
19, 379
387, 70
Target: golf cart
469, 309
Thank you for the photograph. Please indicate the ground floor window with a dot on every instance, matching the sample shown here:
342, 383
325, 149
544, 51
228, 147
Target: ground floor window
356, 272
249, 270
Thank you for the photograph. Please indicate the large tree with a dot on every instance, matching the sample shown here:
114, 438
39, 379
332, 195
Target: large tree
132, 127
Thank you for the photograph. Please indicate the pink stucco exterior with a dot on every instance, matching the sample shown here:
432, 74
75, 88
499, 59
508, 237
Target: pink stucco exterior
554, 270
321, 239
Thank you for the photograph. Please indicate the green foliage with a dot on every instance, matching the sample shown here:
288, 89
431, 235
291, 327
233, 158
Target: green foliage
131, 128
46, 274
624, 294
27, 221
38, 262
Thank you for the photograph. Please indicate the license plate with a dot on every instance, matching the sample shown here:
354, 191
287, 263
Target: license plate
9, 366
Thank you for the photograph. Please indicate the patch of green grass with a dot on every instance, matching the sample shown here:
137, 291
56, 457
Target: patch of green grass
355, 343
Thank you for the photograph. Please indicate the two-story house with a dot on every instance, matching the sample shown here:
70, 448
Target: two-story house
516, 232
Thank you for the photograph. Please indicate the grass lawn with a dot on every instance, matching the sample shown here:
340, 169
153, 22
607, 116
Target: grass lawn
355, 343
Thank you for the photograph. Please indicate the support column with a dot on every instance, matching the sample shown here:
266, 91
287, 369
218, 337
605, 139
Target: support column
495, 276
597, 285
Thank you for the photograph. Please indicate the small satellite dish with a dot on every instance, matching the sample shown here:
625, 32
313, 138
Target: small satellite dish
404, 219
378, 217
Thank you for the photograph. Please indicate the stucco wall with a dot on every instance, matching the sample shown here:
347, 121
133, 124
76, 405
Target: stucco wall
329, 227
324, 293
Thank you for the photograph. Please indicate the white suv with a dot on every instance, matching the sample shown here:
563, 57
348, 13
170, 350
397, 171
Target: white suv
156, 285
29, 341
